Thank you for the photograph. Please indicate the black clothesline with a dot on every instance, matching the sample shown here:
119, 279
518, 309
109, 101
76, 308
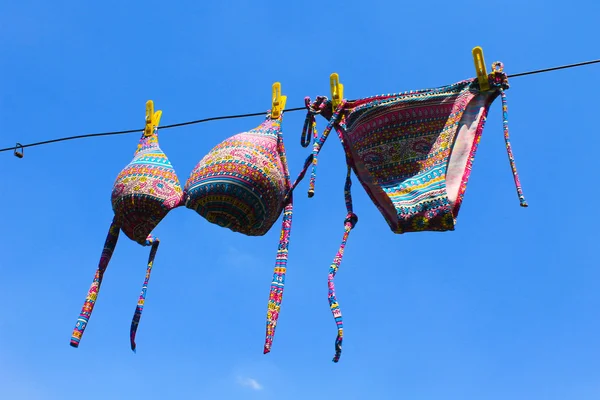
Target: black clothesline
199, 121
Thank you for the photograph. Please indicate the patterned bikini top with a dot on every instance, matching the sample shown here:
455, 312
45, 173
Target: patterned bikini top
242, 184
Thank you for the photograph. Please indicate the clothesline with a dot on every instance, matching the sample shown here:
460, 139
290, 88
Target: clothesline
22, 146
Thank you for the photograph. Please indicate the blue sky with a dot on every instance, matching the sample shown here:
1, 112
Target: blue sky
505, 307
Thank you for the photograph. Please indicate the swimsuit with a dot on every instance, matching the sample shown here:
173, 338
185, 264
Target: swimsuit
412, 152
242, 184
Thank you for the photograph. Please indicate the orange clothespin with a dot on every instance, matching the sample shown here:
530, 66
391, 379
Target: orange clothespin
482, 74
278, 101
337, 90
19, 154
152, 118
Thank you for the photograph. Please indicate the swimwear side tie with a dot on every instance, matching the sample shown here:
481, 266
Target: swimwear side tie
309, 123
349, 224
511, 158
499, 79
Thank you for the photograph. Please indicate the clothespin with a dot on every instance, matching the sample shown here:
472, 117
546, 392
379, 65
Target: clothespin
278, 101
482, 74
337, 90
19, 154
152, 118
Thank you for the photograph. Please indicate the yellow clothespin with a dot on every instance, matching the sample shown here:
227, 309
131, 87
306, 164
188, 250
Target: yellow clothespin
337, 90
278, 101
482, 74
152, 118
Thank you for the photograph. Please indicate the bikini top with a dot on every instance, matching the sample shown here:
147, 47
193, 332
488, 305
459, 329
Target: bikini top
242, 184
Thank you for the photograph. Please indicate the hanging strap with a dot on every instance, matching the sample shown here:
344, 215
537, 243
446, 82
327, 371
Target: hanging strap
318, 145
277, 285
278, 282
314, 109
90, 301
310, 126
349, 224
499, 80
154, 242
351, 219
511, 158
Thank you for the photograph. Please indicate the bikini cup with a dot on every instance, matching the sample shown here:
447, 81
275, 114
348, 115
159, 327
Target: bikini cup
143, 193
242, 182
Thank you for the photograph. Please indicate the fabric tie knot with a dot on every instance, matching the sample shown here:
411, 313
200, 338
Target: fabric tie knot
150, 240
310, 125
352, 219
498, 78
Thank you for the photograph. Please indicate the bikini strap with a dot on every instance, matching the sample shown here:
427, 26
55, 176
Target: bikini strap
349, 224
310, 124
313, 109
278, 282
500, 80
90, 300
154, 242
320, 105
317, 107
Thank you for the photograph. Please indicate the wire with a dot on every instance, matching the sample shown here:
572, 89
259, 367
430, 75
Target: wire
539, 71
198, 121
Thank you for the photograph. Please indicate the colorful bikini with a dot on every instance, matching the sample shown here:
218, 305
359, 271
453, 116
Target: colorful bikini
412, 152
242, 184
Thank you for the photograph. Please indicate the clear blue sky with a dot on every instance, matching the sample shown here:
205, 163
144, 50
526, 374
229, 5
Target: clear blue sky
514, 316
